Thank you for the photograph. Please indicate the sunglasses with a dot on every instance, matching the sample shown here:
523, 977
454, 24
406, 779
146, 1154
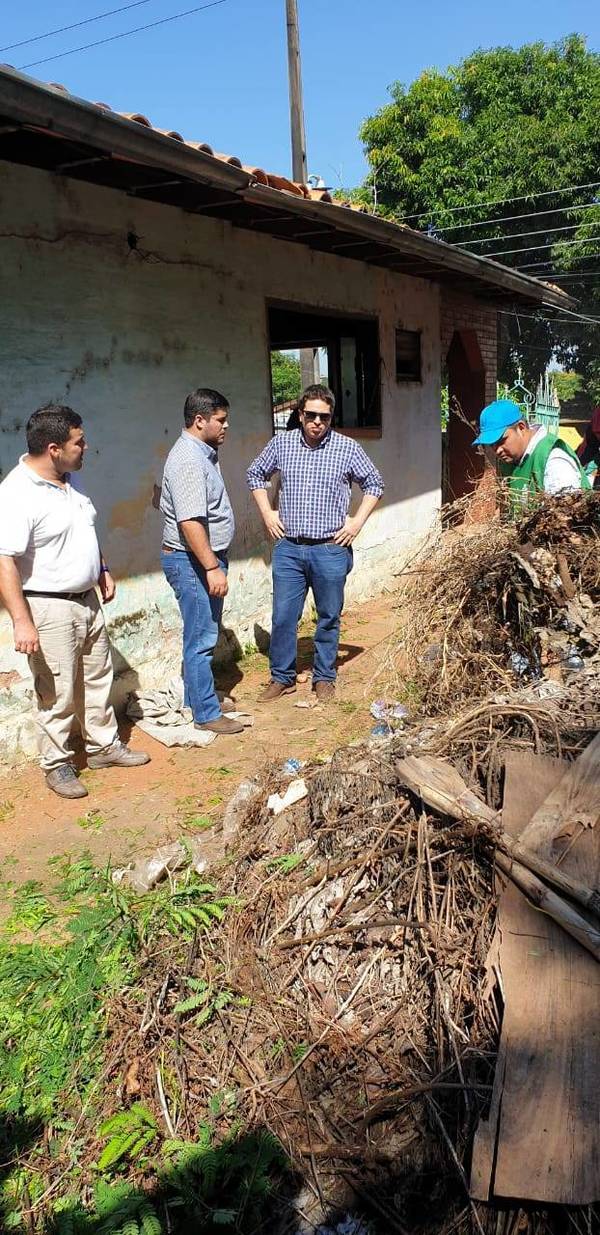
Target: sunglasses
312, 416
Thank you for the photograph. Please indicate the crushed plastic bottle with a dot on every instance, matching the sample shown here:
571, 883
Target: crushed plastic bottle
380, 710
291, 767
573, 661
519, 664
236, 809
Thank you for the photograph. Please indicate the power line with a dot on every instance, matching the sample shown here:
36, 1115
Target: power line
532, 248
125, 34
539, 231
548, 262
536, 317
36, 38
580, 274
511, 218
580, 317
499, 201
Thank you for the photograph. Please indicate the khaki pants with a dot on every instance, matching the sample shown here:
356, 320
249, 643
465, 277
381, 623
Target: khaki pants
72, 677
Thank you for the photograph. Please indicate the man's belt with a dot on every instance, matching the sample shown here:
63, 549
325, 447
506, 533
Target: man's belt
59, 595
311, 540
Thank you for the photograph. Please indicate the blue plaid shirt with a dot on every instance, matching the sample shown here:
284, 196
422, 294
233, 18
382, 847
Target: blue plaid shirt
316, 481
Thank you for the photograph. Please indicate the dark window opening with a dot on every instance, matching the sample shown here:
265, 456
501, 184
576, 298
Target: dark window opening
341, 352
408, 356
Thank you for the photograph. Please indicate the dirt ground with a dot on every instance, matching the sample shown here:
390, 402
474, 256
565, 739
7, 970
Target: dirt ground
130, 811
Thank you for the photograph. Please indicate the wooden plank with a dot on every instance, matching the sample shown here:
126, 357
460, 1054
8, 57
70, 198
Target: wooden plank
545, 1145
528, 779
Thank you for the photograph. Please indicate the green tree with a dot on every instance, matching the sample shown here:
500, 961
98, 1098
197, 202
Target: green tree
285, 377
567, 384
504, 124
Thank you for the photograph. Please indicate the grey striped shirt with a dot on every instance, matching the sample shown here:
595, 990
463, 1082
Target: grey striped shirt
193, 488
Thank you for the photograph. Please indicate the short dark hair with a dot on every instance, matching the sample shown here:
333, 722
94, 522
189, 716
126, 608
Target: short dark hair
203, 402
51, 423
317, 392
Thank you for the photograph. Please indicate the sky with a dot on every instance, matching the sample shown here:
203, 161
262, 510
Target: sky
220, 75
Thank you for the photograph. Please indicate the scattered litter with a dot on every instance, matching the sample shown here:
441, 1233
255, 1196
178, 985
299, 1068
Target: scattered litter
304, 703
382, 730
519, 664
381, 710
144, 874
236, 809
295, 791
292, 766
347, 1226
302, 678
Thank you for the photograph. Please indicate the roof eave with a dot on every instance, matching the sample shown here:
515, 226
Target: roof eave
50, 109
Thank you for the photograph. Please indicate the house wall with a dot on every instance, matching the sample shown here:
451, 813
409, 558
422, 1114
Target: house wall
122, 333
460, 312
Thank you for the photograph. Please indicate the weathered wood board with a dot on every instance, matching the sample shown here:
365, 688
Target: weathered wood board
541, 1141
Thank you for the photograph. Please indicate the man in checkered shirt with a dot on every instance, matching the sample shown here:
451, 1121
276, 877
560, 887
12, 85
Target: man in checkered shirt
313, 533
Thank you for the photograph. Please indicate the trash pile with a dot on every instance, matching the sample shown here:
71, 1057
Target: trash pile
511, 602
346, 1005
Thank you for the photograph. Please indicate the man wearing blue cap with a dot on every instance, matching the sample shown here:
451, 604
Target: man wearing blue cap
540, 461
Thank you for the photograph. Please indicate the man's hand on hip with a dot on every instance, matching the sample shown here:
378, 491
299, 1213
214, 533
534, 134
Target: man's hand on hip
348, 532
26, 636
217, 582
274, 525
107, 587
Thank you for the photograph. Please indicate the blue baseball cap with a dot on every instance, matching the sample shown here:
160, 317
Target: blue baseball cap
495, 419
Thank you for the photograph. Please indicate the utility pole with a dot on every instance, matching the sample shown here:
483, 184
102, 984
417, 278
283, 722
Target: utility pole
299, 164
299, 167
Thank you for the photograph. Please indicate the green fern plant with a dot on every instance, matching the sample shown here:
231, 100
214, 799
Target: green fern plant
203, 1001
182, 911
131, 1133
285, 864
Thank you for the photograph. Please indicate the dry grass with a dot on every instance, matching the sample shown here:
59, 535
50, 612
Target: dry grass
483, 593
361, 1027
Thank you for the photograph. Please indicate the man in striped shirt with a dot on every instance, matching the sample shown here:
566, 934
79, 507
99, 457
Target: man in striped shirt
313, 533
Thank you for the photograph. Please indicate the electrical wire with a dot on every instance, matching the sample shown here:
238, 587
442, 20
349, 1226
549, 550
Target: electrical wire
574, 278
532, 248
500, 201
36, 38
536, 317
548, 262
539, 231
580, 317
512, 218
124, 34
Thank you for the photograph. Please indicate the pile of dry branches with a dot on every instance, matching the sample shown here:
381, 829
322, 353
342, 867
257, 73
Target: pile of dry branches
358, 1024
489, 605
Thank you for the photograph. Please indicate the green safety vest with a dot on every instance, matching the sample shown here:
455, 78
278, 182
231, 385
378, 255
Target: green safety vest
529, 473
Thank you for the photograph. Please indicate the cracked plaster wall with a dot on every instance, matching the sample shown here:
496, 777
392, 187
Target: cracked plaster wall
122, 333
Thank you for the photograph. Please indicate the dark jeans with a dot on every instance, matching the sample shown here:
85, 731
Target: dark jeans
296, 568
201, 615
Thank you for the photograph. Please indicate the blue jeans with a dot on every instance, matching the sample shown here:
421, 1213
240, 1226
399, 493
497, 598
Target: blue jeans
201, 616
296, 568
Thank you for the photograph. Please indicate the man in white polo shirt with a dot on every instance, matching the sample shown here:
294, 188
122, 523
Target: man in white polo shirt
50, 564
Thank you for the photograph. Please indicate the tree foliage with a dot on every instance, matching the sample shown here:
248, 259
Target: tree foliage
504, 124
285, 377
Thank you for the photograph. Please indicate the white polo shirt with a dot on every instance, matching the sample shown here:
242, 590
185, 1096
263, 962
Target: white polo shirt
561, 474
50, 531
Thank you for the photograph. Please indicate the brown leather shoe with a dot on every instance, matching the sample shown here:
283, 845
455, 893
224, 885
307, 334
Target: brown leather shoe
221, 724
275, 690
325, 691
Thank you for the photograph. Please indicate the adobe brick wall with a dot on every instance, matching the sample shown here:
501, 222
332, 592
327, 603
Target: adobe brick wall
460, 312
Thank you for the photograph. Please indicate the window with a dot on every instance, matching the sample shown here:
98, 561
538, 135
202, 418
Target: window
342, 352
408, 355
